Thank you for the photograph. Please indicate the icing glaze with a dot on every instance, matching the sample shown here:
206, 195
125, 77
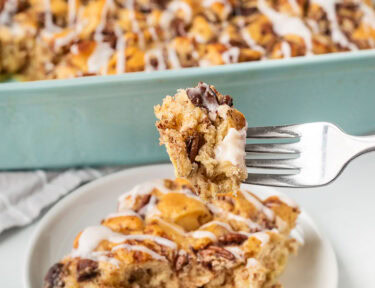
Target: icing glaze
232, 148
287, 25
99, 58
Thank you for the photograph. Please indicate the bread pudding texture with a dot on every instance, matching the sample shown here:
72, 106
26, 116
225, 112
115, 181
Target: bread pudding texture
205, 139
49, 39
164, 236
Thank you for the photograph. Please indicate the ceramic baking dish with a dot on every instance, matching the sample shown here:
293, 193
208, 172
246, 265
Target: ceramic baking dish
109, 119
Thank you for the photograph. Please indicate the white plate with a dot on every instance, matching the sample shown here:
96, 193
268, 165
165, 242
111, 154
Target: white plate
314, 267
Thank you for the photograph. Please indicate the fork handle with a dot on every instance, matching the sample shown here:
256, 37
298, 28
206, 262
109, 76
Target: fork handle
365, 143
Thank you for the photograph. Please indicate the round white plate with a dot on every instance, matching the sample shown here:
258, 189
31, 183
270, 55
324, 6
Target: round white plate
314, 267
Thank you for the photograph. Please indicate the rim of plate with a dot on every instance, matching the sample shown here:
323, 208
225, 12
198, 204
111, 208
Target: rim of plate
135, 170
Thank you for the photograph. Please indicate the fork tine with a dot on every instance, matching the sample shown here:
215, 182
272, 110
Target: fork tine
271, 163
271, 132
272, 180
282, 148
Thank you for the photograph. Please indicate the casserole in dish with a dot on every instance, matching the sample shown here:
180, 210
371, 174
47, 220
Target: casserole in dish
108, 119
49, 39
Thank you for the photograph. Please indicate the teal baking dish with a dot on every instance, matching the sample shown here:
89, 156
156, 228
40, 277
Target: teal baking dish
109, 120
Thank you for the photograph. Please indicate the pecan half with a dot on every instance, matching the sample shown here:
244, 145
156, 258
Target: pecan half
193, 144
232, 238
181, 261
86, 269
53, 277
216, 258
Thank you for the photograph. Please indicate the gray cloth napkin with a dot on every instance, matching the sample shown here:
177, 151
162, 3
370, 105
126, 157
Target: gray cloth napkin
23, 195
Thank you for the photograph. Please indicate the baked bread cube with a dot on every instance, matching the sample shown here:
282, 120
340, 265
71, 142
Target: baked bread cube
205, 139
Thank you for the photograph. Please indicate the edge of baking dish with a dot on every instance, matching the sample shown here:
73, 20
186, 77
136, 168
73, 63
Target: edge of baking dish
108, 120
330, 59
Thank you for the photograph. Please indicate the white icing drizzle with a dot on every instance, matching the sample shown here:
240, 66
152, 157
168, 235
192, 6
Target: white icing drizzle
200, 39
231, 55
313, 25
158, 54
218, 211
225, 38
166, 19
103, 20
262, 237
61, 41
127, 212
176, 228
232, 148
250, 41
251, 262
173, 58
294, 5
239, 218
48, 22
287, 25
65, 40
226, 4
72, 11
204, 63
329, 6
135, 25
99, 58
92, 236
195, 234
143, 249
98, 256
285, 49
259, 205
237, 252
153, 33
150, 209
141, 189
147, 188
219, 223
297, 233
74, 49
10, 7
368, 13
121, 49
203, 234
176, 5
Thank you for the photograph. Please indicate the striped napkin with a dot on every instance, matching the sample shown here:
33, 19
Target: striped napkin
23, 195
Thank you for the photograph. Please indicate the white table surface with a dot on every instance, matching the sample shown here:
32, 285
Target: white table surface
344, 211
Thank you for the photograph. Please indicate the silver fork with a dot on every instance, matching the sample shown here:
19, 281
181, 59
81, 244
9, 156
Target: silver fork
320, 155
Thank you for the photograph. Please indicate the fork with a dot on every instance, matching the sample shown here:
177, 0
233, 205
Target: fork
319, 154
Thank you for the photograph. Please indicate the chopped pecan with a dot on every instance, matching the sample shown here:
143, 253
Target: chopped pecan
216, 257
179, 27
227, 100
86, 269
232, 238
193, 144
202, 96
154, 62
53, 277
181, 261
